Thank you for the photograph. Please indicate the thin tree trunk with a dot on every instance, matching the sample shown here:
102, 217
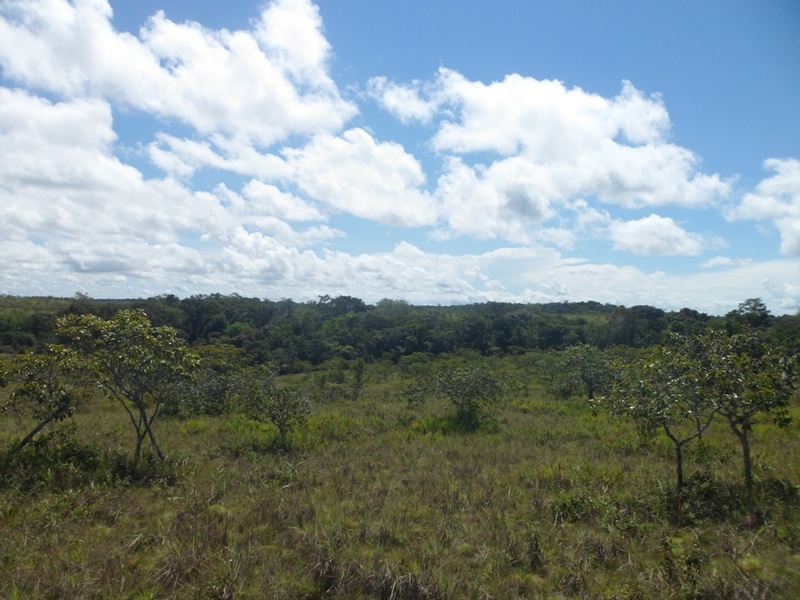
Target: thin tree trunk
679, 464
680, 484
159, 453
744, 440
49, 419
148, 431
137, 453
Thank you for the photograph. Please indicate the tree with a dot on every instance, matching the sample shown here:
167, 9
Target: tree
261, 399
667, 390
739, 377
209, 390
135, 363
358, 368
754, 312
585, 366
49, 385
473, 391
749, 378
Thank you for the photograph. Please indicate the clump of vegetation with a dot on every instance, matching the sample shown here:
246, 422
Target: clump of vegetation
135, 363
48, 386
474, 393
260, 397
680, 387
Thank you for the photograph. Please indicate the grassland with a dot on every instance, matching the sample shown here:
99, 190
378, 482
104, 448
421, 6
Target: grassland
375, 501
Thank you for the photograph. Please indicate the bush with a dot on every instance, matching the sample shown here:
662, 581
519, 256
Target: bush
473, 391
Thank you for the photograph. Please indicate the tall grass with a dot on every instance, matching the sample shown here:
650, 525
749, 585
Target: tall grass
375, 501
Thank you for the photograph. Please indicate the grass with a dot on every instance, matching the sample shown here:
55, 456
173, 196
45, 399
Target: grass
378, 502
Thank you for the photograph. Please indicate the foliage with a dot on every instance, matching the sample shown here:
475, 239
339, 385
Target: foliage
750, 378
300, 336
49, 386
679, 389
135, 363
209, 390
261, 399
586, 367
667, 390
753, 313
474, 393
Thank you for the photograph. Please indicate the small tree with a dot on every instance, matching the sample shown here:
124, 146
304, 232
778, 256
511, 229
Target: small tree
667, 391
585, 366
262, 400
473, 391
750, 378
135, 363
358, 368
209, 390
49, 385
754, 312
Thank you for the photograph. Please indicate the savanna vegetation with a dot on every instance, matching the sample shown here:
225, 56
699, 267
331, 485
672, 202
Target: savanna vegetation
229, 447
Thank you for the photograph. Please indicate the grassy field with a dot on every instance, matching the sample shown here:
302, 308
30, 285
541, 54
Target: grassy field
375, 501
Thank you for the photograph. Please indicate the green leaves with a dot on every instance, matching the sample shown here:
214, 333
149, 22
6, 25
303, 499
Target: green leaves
48, 386
261, 399
680, 388
473, 391
135, 363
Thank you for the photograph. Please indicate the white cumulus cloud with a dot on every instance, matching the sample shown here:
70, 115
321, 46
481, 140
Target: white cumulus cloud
518, 150
356, 174
655, 235
406, 102
776, 199
265, 84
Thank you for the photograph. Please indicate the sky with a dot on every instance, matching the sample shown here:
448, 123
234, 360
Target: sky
446, 152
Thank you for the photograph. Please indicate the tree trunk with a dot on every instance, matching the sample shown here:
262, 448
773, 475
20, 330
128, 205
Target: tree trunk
44, 423
147, 430
679, 465
137, 452
159, 453
679, 485
744, 440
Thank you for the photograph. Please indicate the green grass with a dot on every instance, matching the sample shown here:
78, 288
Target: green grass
378, 502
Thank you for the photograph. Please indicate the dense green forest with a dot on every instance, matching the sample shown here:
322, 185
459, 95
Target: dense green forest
226, 447
297, 337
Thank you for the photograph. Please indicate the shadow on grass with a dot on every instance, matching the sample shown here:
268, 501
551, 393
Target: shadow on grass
706, 499
454, 424
55, 464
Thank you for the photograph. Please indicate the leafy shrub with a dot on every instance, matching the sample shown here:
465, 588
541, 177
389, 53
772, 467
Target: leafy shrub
474, 393
262, 400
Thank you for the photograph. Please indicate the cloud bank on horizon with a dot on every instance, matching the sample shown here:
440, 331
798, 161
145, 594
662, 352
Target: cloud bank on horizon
186, 159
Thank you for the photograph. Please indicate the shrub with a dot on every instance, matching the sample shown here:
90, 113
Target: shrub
473, 391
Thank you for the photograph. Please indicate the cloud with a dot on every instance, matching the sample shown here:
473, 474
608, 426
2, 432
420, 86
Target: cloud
654, 235
614, 149
61, 177
405, 102
182, 158
278, 69
356, 174
776, 199
723, 262
504, 200
269, 200
518, 151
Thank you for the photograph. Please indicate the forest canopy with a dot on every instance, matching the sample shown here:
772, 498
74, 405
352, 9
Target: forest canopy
299, 336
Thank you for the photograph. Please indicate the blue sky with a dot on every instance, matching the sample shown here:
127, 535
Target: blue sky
437, 152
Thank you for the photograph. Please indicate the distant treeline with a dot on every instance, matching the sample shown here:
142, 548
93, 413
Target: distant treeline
298, 336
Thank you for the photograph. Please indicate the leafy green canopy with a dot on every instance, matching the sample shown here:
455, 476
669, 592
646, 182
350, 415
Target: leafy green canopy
135, 363
474, 393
